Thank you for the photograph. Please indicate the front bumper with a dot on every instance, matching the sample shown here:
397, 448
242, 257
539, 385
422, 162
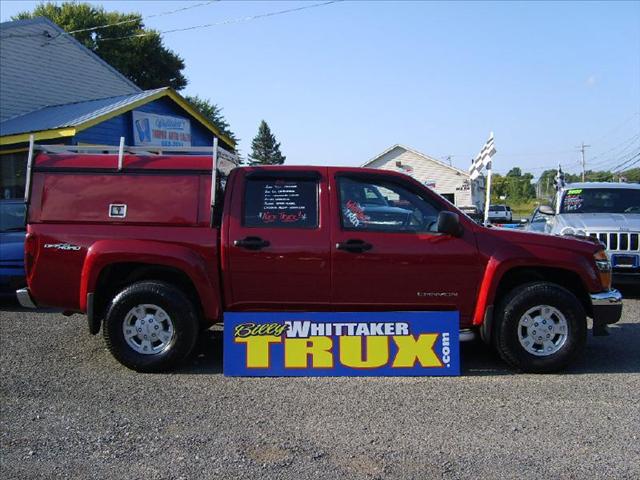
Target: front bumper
25, 299
606, 307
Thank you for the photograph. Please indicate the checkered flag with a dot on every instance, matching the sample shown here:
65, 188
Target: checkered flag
483, 159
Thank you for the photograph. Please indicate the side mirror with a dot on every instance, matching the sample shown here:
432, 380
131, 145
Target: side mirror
449, 223
546, 210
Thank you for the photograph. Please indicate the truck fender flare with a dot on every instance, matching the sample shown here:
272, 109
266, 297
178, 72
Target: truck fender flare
108, 252
497, 268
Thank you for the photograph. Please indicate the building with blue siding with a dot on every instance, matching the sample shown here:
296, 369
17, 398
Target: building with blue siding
59, 92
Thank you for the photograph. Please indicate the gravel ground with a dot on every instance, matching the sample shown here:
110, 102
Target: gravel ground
68, 410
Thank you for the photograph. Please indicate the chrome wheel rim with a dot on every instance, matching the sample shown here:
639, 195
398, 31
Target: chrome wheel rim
543, 330
148, 329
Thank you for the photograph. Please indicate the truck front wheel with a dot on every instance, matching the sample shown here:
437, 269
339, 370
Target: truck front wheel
541, 327
150, 326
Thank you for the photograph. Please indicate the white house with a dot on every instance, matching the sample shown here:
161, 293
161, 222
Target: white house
450, 182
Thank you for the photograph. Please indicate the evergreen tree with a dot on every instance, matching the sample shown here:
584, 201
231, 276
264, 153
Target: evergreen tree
265, 150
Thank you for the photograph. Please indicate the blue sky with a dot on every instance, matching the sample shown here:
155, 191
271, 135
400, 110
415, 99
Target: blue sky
341, 83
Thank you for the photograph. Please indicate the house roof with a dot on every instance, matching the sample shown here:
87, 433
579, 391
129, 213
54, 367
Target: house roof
66, 120
40, 65
420, 154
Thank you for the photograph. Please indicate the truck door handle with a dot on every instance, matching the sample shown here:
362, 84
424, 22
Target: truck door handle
354, 245
251, 243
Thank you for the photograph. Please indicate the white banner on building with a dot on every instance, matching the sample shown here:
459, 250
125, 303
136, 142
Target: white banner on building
150, 129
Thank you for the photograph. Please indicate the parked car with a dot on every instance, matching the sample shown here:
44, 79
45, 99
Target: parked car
151, 258
509, 213
500, 214
12, 234
536, 222
609, 212
473, 212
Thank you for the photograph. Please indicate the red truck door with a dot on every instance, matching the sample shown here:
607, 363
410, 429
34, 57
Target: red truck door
386, 253
276, 240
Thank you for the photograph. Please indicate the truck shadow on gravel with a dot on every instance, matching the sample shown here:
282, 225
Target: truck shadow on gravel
617, 353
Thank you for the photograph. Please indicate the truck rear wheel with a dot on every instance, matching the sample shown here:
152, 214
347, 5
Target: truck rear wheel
150, 326
541, 328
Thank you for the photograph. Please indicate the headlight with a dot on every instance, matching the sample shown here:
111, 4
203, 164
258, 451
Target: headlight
573, 232
604, 268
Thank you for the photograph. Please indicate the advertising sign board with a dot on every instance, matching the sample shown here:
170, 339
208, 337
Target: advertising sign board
341, 344
154, 130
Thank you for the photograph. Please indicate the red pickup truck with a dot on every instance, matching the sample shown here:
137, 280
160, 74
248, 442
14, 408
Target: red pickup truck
143, 250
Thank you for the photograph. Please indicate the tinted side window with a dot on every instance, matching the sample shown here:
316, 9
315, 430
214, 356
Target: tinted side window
281, 203
378, 205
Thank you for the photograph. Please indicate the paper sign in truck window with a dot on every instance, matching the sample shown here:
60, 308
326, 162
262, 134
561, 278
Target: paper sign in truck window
341, 344
288, 203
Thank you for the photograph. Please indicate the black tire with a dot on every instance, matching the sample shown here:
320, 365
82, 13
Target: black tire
175, 304
514, 306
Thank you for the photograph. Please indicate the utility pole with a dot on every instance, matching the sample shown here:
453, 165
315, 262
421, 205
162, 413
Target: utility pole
582, 147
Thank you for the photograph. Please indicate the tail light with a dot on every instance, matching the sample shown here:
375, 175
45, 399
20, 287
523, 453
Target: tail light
30, 246
604, 268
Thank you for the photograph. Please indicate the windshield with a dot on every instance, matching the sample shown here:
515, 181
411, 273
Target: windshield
601, 200
11, 216
496, 208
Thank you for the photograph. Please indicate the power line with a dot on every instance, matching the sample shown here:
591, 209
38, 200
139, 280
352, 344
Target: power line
620, 166
225, 22
624, 146
617, 158
123, 22
618, 161
631, 165
100, 27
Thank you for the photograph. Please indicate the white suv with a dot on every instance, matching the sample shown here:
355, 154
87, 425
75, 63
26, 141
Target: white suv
609, 212
500, 213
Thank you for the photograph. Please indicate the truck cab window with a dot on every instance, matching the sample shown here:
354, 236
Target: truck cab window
379, 205
281, 203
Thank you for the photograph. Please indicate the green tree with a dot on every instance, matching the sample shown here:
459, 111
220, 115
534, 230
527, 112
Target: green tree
546, 182
515, 186
498, 187
265, 150
632, 175
590, 176
214, 113
144, 60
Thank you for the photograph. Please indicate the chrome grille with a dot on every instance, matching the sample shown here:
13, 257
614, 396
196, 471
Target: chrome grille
618, 241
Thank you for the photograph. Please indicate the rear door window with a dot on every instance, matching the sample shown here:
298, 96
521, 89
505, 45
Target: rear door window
281, 203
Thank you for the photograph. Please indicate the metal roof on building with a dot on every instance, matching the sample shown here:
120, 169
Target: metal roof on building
71, 114
66, 120
40, 65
